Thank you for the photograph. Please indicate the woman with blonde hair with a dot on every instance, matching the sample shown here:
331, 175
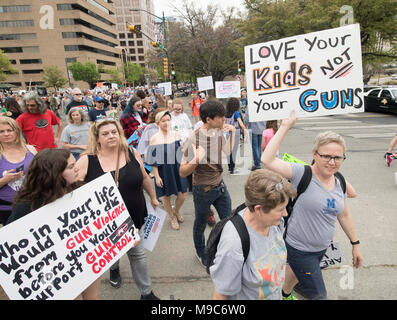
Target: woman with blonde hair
108, 151
162, 155
75, 135
15, 158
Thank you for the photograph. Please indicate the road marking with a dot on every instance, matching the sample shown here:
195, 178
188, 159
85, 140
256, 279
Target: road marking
327, 122
381, 126
370, 135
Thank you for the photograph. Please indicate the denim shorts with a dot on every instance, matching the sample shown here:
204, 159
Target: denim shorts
306, 267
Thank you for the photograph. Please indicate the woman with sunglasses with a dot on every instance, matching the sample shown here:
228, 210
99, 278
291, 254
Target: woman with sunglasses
147, 108
311, 227
131, 119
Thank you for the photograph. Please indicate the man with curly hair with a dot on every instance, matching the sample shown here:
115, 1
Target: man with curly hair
36, 122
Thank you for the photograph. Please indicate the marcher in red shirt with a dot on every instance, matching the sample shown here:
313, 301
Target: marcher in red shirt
36, 122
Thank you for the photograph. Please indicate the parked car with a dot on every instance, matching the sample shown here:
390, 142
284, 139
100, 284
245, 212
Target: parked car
369, 88
381, 99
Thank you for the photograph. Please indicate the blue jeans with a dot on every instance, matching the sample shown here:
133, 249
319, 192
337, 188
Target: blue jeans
306, 266
256, 140
218, 197
76, 155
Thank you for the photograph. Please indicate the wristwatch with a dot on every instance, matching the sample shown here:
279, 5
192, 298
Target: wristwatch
356, 242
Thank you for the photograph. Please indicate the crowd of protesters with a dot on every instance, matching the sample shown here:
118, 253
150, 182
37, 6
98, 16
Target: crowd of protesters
126, 132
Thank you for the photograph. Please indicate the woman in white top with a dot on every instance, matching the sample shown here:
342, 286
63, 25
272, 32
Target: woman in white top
180, 121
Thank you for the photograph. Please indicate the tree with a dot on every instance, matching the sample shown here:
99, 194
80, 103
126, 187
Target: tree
133, 73
5, 66
85, 72
53, 76
199, 46
271, 20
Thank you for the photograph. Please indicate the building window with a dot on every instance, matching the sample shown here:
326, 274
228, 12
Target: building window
140, 50
32, 71
130, 35
133, 58
70, 60
132, 51
121, 35
89, 49
15, 8
30, 61
139, 43
21, 36
131, 43
139, 35
106, 63
16, 23
122, 43
141, 58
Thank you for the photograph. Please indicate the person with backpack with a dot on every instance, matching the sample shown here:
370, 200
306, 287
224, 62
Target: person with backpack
311, 224
250, 259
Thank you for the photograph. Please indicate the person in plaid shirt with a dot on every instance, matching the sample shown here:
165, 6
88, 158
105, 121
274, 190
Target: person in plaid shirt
131, 119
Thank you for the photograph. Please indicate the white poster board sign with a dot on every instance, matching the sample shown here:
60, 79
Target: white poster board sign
153, 226
205, 83
333, 256
167, 88
317, 74
58, 250
227, 89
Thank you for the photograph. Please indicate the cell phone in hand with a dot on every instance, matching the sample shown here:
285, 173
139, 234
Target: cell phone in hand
19, 169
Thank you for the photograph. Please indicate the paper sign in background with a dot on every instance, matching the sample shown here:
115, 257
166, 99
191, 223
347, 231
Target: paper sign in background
316, 74
58, 250
227, 89
205, 83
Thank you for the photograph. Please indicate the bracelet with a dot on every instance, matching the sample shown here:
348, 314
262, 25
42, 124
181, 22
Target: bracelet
354, 243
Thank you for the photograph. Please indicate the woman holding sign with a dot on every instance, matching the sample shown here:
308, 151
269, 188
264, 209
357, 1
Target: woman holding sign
51, 175
108, 151
311, 225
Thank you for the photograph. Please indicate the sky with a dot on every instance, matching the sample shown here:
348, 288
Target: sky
164, 5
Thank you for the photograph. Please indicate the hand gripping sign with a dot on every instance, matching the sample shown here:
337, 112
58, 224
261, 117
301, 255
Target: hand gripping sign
58, 250
317, 74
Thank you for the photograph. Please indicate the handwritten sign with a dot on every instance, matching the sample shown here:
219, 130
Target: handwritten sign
317, 74
227, 89
205, 83
167, 88
153, 225
333, 256
58, 250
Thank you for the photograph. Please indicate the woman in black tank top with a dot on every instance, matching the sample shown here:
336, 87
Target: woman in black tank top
108, 151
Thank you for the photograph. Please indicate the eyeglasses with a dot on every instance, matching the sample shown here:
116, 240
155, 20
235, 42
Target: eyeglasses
30, 105
328, 158
150, 102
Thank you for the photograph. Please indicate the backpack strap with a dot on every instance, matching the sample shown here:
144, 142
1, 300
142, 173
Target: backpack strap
302, 186
341, 180
241, 228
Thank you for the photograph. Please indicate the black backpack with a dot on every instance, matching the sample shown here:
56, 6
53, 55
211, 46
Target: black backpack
302, 186
216, 232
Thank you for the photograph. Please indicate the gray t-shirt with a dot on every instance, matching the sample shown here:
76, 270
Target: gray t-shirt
311, 227
74, 134
261, 276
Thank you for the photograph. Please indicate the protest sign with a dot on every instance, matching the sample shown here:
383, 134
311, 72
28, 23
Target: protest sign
227, 89
289, 158
153, 225
333, 256
205, 83
317, 74
58, 250
167, 91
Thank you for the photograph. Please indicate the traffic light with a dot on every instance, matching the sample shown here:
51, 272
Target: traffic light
155, 44
133, 28
239, 66
172, 69
165, 67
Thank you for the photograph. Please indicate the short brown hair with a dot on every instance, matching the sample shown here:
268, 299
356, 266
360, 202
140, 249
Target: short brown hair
267, 189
